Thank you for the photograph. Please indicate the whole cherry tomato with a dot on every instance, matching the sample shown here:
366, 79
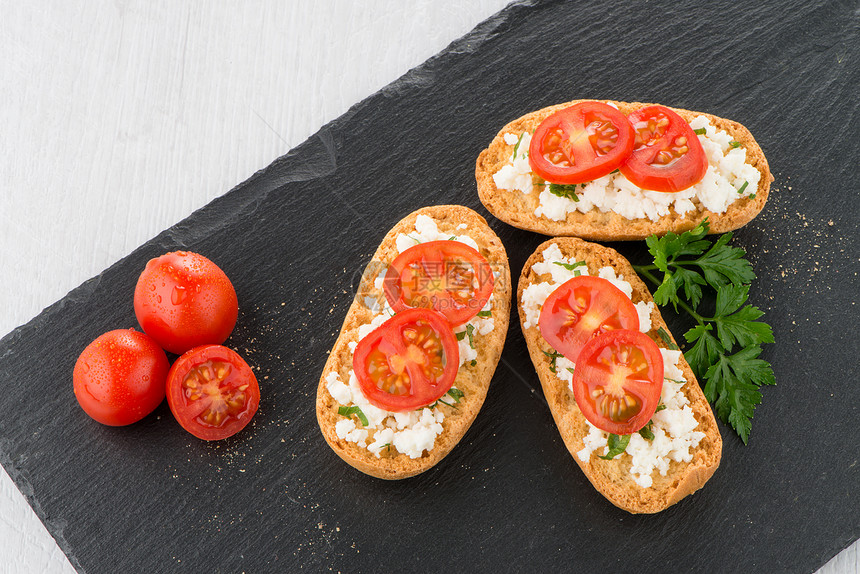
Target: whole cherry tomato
183, 300
119, 377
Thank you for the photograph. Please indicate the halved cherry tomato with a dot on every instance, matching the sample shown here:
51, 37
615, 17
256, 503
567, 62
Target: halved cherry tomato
618, 380
580, 143
183, 300
408, 362
667, 155
212, 392
119, 377
582, 308
447, 276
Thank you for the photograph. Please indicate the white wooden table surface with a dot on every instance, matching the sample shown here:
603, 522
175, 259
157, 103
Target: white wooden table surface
120, 118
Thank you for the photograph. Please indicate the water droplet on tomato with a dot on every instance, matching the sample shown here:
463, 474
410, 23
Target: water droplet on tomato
85, 367
178, 295
158, 298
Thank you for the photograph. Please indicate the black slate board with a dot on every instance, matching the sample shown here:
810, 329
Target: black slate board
293, 238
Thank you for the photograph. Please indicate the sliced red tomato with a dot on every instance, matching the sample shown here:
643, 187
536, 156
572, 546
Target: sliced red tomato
667, 155
618, 380
582, 308
119, 377
408, 362
212, 392
447, 276
580, 143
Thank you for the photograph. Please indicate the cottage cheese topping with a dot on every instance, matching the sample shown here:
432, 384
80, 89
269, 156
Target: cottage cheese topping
411, 433
727, 172
673, 427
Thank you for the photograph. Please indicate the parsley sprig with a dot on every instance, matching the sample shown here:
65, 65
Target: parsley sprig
689, 262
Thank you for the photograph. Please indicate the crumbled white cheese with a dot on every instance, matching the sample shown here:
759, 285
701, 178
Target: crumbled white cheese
673, 427
517, 174
427, 230
726, 174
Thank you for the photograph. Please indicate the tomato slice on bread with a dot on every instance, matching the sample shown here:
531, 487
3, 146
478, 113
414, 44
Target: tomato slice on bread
582, 308
578, 144
667, 155
408, 362
618, 380
447, 276
212, 392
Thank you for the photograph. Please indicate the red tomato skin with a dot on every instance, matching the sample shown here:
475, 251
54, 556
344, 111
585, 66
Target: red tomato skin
176, 396
684, 173
428, 395
649, 393
575, 117
603, 295
184, 300
454, 249
119, 378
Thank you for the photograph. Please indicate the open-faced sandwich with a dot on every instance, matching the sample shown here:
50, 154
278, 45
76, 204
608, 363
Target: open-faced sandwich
625, 401
606, 170
411, 367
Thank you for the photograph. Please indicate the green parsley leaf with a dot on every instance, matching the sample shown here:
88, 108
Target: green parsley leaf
736, 324
617, 444
353, 410
733, 383
734, 144
485, 313
568, 191
552, 356
660, 407
700, 131
722, 350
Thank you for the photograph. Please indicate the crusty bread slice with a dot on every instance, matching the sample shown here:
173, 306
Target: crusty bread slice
517, 208
611, 477
473, 381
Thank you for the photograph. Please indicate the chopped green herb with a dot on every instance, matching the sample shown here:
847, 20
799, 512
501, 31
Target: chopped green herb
452, 238
470, 330
353, 410
519, 141
734, 144
474, 362
667, 339
571, 370
700, 131
646, 432
413, 239
485, 313
552, 356
610, 173
660, 407
570, 266
732, 377
617, 444
456, 394
743, 187
752, 196
568, 191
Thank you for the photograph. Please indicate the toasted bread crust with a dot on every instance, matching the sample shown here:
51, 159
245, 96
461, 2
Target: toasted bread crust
517, 208
473, 381
611, 477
